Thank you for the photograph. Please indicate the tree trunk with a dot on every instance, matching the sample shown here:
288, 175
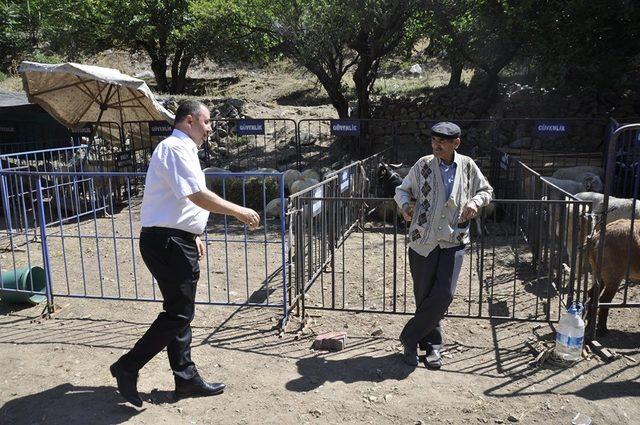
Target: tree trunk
456, 72
362, 77
333, 89
181, 78
175, 66
489, 91
179, 66
159, 68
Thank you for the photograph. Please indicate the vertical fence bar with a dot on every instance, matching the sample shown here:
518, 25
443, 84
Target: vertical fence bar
45, 249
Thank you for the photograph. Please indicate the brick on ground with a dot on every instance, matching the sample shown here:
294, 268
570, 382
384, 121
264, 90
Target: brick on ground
331, 341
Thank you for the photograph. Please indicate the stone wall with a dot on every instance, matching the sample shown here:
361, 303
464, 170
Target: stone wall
513, 121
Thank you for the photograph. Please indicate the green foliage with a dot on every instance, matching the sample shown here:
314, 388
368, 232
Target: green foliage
588, 45
42, 57
72, 28
13, 40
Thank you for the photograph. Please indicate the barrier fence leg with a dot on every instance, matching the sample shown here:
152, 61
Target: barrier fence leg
49, 308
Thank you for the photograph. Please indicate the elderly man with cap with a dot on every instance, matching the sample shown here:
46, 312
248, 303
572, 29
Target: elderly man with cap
448, 189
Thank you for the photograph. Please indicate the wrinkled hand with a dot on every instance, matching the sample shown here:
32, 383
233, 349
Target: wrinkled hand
249, 217
200, 246
470, 211
407, 210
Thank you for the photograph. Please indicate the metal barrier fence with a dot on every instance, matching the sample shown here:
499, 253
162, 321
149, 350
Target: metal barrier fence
411, 138
617, 255
365, 269
322, 139
358, 179
239, 144
96, 256
624, 158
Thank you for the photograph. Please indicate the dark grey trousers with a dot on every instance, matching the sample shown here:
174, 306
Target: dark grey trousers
434, 284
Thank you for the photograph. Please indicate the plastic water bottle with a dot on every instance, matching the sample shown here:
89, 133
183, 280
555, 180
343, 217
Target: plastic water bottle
570, 335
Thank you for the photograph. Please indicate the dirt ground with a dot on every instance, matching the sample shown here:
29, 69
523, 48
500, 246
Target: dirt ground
56, 371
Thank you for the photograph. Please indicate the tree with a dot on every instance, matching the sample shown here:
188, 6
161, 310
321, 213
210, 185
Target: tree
593, 45
380, 30
330, 38
489, 34
72, 28
12, 40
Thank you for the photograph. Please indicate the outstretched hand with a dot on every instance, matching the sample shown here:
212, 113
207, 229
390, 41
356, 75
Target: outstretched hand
249, 217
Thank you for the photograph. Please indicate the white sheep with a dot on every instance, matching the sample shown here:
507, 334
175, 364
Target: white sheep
310, 174
590, 183
618, 208
300, 185
577, 173
291, 176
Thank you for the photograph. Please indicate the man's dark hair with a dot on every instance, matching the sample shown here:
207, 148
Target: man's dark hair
188, 107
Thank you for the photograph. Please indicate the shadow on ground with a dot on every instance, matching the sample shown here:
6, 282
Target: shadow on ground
68, 404
318, 370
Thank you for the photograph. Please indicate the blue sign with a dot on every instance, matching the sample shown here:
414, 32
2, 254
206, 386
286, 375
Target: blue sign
249, 127
160, 128
551, 128
345, 127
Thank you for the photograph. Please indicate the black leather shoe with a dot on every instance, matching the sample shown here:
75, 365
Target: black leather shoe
433, 360
197, 387
127, 384
410, 354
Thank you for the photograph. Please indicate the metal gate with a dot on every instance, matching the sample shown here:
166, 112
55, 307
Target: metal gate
618, 256
94, 254
524, 261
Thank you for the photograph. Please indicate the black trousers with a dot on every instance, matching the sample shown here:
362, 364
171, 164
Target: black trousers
173, 262
434, 284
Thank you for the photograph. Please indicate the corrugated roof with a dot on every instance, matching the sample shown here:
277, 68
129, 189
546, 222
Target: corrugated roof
8, 98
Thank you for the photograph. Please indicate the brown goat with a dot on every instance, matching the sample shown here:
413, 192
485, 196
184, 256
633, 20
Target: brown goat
616, 253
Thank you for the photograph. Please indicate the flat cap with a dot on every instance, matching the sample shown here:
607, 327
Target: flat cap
447, 130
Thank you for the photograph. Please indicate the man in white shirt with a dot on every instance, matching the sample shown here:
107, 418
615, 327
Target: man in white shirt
175, 209
449, 189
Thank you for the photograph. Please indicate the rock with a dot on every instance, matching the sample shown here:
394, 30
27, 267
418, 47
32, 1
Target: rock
145, 74
512, 418
316, 413
377, 332
415, 69
236, 103
331, 341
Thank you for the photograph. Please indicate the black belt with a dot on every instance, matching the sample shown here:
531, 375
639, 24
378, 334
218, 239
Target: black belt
168, 231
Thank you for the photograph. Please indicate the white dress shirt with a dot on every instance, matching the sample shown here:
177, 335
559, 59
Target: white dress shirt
174, 173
